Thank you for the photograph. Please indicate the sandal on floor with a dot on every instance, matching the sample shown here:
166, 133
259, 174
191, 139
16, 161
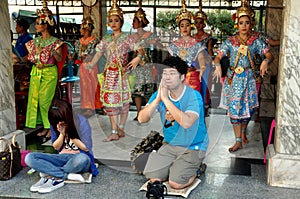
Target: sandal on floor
111, 137
238, 145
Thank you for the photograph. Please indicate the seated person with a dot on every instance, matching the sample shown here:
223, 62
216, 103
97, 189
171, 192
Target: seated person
185, 134
72, 138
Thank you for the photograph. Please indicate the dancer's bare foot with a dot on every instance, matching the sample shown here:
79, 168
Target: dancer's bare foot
235, 147
121, 132
111, 137
244, 138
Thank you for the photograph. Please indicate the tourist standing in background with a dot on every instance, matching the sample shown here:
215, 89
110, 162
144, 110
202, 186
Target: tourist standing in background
22, 26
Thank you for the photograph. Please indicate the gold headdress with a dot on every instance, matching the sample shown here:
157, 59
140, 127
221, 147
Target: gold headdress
87, 23
115, 10
184, 14
140, 14
45, 15
245, 10
200, 14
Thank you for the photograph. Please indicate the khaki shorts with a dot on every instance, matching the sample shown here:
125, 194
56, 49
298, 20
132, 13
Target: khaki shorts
178, 164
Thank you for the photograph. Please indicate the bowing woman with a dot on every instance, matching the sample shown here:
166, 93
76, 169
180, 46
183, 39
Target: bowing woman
45, 52
239, 94
115, 92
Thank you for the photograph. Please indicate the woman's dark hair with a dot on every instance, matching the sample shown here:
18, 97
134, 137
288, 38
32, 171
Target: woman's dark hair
61, 111
23, 23
177, 63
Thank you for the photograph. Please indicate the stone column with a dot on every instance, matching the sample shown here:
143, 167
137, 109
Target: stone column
7, 99
284, 156
268, 87
98, 15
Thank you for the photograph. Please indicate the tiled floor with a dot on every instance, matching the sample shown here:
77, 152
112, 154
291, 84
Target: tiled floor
228, 175
220, 135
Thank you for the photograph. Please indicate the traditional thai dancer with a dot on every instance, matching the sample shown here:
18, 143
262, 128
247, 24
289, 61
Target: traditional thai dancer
84, 51
190, 50
239, 93
115, 90
145, 72
45, 52
200, 17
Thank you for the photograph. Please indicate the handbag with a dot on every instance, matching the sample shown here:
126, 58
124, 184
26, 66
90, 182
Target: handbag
141, 152
10, 159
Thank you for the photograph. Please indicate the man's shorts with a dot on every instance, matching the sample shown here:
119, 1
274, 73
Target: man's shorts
178, 164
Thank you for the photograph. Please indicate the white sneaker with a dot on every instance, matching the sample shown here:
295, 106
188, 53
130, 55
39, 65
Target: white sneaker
36, 186
51, 185
75, 177
43, 174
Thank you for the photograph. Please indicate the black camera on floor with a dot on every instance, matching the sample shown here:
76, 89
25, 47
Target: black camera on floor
156, 190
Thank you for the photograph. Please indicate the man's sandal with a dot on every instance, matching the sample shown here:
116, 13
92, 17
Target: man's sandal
238, 145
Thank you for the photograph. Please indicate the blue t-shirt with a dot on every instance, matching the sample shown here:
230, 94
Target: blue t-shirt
195, 137
20, 44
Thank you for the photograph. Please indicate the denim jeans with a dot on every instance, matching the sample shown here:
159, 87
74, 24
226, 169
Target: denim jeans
58, 165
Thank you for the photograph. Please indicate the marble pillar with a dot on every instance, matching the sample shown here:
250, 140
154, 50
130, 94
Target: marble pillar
98, 15
273, 30
284, 156
7, 99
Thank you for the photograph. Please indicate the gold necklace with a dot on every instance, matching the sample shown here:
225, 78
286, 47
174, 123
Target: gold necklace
243, 41
183, 50
116, 37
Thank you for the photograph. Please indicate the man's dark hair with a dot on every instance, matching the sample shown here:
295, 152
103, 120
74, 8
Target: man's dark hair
177, 63
23, 23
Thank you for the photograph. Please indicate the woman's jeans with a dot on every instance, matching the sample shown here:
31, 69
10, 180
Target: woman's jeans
58, 165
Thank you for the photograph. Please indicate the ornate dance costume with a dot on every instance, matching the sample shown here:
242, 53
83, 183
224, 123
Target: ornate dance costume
89, 86
188, 51
239, 94
43, 79
145, 72
115, 90
205, 38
